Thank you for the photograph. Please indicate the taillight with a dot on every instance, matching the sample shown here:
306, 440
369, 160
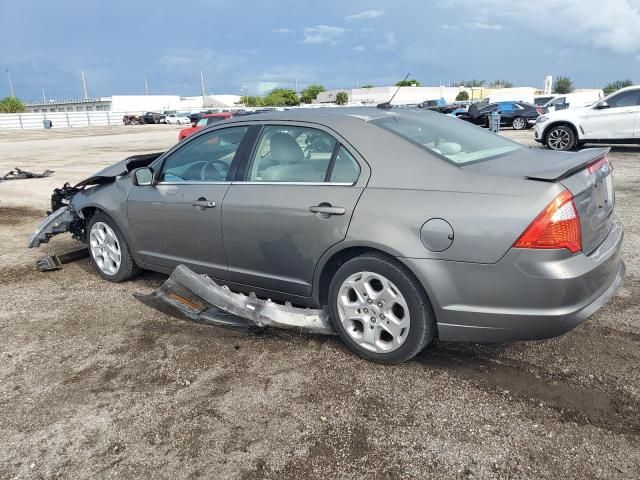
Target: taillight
597, 165
558, 226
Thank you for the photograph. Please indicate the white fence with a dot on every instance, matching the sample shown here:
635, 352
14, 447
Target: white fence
60, 119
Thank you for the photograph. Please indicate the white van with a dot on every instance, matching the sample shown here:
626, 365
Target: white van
574, 100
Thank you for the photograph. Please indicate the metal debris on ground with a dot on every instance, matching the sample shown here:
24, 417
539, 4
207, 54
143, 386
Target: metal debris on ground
55, 262
19, 174
194, 297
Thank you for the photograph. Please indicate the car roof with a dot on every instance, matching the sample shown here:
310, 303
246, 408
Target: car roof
327, 114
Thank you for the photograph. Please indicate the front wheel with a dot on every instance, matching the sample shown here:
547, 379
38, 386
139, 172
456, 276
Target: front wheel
379, 310
519, 123
561, 138
109, 251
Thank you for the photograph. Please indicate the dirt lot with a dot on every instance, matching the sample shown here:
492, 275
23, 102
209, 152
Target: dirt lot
95, 385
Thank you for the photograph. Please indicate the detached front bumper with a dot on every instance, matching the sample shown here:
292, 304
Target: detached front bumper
527, 295
57, 222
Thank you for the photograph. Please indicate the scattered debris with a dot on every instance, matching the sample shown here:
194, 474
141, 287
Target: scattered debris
55, 262
194, 297
19, 174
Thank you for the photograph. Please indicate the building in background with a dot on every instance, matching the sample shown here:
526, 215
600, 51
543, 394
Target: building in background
134, 104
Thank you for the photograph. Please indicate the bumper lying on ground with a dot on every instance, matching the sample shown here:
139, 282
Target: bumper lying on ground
194, 297
527, 295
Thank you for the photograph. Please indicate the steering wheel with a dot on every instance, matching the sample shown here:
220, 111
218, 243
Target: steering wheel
220, 173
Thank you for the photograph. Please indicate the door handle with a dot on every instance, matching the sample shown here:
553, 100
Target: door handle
327, 209
202, 203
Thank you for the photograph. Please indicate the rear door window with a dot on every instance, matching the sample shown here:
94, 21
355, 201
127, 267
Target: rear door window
345, 169
292, 154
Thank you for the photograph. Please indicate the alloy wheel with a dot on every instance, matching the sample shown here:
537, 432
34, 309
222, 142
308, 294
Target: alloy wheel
519, 123
105, 248
559, 139
373, 312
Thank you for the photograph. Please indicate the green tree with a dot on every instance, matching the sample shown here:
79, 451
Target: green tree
11, 105
309, 94
342, 98
281, 97
411, 82
501, 84
251, 101
563, 85
616, 85
462, 96
367, 86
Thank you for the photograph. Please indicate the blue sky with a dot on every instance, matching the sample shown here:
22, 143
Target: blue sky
252, 46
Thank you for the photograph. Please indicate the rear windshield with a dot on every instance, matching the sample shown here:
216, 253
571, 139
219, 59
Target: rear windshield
452, 139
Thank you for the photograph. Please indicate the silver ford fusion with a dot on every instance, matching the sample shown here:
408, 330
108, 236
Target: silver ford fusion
404, 225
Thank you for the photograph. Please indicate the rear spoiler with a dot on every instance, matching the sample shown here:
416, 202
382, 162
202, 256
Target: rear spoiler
570, 165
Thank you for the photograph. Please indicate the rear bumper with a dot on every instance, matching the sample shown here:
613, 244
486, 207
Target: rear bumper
527, 295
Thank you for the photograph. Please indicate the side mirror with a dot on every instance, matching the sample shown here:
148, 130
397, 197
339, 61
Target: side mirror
602, 105
143, 176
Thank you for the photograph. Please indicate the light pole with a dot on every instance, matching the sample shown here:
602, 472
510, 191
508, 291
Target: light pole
10, 83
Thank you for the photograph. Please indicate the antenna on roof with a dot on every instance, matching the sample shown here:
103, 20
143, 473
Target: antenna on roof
388, 104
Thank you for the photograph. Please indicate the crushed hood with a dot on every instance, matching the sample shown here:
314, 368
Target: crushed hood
110, 173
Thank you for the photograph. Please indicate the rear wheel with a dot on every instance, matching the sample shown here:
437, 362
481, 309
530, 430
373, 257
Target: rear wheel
109, 251
561, 138
519, 123
379, 311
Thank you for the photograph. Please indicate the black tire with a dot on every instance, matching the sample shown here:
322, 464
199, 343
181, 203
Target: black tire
519, 123
422, 329
560, 138
128, 268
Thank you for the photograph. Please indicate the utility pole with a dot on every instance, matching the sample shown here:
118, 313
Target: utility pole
202, 86
44, 97
84, 85
146, 86
10, 83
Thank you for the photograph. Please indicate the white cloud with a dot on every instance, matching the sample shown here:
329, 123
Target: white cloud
484, 26
323, 34
449, 27
389, 43
359, 48
282, 30
613, 25
366, 15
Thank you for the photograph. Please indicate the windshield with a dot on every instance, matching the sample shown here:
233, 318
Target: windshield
455, 140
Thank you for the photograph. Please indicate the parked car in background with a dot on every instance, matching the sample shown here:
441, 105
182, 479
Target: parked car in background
573, 100
304, 206
206, 119
614, 119
132, 119
446, 108
542, 100
518, 115
178, 118
154, 117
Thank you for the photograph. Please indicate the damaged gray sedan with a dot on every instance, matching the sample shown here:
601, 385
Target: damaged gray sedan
389, 227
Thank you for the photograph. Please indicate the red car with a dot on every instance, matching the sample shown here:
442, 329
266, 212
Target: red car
205, 120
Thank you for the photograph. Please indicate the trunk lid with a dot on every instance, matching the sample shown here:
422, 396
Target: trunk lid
586, 174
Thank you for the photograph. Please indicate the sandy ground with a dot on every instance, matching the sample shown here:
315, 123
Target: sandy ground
95, 385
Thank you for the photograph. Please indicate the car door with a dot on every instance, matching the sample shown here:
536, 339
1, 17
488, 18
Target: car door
614, 118
177, 218
292, 200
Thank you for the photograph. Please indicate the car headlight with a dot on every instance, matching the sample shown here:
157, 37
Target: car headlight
542, 119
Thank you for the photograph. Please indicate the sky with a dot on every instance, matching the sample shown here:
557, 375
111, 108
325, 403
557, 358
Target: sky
252, 46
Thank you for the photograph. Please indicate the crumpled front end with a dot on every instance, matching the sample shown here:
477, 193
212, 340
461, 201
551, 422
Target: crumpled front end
62, 218
194, 297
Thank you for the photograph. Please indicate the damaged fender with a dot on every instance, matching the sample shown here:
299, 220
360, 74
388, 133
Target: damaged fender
194, 297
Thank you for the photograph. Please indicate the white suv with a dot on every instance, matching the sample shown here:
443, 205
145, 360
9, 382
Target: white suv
614, 119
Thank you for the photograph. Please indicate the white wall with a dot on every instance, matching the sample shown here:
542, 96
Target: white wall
60, 119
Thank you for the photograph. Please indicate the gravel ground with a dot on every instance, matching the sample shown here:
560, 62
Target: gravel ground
95, 385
